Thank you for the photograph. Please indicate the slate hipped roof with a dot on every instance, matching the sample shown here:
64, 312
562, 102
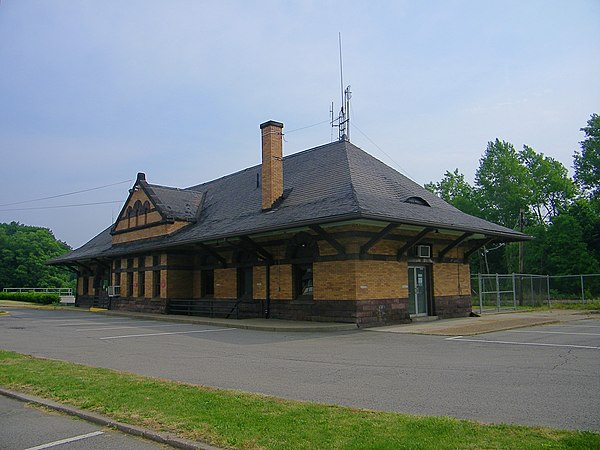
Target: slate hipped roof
332, 182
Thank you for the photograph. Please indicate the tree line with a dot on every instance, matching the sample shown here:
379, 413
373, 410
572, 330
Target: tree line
24, 251
529, 191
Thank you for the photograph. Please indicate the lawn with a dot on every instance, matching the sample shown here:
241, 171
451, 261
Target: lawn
250, 421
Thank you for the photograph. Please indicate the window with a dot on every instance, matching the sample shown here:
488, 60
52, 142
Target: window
141, 284
84, 285
156, 283
129, 284
244, 279
155, 261
207, 283
130, 277
129, 216
303, 281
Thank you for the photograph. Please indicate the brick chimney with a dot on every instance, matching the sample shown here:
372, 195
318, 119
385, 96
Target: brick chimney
272, 162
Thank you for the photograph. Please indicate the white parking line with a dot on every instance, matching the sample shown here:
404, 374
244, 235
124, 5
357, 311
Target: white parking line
165, 334
553, 332
66, 441
536, 344
129, 326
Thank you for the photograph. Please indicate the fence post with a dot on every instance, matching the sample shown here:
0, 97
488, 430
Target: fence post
498, 292
514, 289
531, 286
480, 294
582, 291
548, 287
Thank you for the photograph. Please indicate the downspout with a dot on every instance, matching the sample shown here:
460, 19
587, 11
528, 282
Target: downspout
268, 294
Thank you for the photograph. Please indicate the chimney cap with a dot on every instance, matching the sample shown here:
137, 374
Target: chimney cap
271, 123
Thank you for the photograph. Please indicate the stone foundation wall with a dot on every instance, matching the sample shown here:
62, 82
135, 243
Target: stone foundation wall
155, 305
365, 313
452, 306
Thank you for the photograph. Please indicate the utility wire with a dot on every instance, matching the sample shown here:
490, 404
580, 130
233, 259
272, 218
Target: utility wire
60, 206
308, 126
382, 150
64, 195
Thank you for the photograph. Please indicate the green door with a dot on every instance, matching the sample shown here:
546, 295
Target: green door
417, 290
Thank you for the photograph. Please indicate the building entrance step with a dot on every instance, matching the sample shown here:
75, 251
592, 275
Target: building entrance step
424, 318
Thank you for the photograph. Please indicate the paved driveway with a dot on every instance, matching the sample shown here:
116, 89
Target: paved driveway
25, 427
539, 376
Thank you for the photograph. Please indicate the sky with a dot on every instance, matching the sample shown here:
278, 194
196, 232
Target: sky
92, 92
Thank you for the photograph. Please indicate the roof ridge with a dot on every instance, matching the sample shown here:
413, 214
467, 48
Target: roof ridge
351, 175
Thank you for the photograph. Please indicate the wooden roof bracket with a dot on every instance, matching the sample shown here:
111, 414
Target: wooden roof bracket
89, 269
364, 249
213, 253
259, 249
453, 244
477, 247
329, 239
414, 241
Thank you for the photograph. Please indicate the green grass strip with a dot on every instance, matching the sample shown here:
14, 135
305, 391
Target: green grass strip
249, 421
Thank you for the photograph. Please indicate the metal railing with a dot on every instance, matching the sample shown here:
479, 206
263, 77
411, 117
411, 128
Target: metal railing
63, 292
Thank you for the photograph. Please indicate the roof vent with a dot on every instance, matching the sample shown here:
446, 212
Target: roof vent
417, 201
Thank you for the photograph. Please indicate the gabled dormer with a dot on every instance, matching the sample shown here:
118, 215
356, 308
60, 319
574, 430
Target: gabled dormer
153, 211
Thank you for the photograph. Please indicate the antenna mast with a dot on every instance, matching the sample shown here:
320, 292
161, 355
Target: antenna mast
343, 119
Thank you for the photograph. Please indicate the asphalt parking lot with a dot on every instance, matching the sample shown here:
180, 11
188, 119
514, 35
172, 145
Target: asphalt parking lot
23, 426
546, 375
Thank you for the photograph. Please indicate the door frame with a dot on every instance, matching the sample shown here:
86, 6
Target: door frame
428, 291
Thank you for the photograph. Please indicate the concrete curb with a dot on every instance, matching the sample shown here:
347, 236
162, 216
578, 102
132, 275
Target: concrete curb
269, 325
161, 438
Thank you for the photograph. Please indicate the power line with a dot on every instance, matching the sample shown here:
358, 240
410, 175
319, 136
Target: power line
60, 206
308, 126
383, 151
64, 195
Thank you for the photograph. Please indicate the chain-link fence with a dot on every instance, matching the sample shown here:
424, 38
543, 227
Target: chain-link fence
509, 291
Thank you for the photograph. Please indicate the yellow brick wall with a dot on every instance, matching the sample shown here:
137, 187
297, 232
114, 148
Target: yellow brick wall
335, 280
451, 279
146, 233
280, 280
381, 279
226, 283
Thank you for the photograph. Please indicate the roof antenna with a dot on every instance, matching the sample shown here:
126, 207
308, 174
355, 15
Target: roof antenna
343, 119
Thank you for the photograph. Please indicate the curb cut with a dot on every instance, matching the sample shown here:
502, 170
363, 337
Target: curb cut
161, 438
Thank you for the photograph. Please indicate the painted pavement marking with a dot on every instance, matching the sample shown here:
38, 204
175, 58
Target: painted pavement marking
165, 334
129, 326
66, 441
534, 344
553, 332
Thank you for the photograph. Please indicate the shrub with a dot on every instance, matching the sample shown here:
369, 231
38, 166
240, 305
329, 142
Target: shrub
43, 298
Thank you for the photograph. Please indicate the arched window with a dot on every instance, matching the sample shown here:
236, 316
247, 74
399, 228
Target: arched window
129, 215
137, 208
146, 210
302, 250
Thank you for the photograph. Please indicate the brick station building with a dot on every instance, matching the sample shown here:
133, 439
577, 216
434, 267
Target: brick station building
327, 234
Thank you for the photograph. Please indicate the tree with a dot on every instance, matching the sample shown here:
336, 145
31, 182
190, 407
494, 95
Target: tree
454, 189
503, 184
550, 190
24, 251
587, 162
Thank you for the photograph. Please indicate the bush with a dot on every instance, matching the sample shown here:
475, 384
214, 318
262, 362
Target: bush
43, 298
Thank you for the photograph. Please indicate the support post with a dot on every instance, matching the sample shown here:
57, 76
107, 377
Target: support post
582, 291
